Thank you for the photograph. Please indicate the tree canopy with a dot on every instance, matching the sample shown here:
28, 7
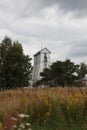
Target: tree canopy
15, 66
82, 70
63, 73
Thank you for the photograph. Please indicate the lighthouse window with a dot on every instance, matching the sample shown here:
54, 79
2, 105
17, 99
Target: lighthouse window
45, 57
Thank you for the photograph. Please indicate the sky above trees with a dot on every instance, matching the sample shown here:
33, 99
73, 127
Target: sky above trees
59, 25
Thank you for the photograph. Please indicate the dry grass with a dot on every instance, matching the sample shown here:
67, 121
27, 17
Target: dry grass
43, 103
11, 100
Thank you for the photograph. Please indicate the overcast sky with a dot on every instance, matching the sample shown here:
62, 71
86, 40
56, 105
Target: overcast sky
59, 25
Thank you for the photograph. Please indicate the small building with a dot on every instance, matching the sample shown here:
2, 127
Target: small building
42, 60
82, 81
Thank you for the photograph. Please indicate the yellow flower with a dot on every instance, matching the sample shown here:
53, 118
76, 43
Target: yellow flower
48, 113
50, 105
69, 97
70, 103
0, 126
61, 101
76, 100
67, 107
26, 100
47, 102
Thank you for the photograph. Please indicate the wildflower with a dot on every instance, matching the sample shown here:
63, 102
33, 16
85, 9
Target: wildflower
61, 101
67, 107
23, 115
69, 97
29, 129
0, 126
13, 118
22, 125
28, 124
14, 126
48, 114
27, 116
19, 128
47, 102
50, 105
76, 100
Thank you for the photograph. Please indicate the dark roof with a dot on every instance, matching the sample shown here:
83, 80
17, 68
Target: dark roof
42, 50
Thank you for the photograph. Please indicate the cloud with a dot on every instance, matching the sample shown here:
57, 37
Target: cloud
77, 7
59, 24
28, 8
79, 48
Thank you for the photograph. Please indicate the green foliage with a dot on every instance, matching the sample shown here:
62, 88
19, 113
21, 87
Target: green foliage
15, 67
60, 116
60, 73
82, 70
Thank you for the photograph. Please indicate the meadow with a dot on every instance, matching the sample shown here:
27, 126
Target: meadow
44, 109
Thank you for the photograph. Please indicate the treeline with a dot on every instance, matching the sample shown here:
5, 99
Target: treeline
15, 66
62, 73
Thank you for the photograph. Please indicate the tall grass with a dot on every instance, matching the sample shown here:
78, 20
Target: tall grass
49, 108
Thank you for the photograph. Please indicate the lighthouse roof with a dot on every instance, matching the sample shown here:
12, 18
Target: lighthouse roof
43, 50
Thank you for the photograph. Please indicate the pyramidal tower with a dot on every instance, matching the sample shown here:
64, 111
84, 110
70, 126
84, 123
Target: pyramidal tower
42, 60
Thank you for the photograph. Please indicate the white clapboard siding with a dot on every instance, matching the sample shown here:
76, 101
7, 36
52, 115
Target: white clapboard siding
42, 60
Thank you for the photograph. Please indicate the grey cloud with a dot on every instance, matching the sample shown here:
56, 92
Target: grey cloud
78, 7
26, 8
79, 53
59, 30
78, 49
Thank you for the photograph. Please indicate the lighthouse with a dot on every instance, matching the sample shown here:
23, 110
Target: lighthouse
42, 60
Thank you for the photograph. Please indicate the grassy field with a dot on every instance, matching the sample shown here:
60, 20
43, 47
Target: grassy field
48, 109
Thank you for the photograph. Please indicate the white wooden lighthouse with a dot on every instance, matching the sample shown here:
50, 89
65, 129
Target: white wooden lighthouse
41, 61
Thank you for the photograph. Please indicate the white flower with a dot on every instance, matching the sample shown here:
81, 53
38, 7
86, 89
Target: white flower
14, 126
28, 124
19, 128
26, 115
29, 129
22, 125
23, 115
13, 118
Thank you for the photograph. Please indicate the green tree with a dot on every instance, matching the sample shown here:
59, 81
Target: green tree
82, 70
15, 67
46, 76
60, 73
